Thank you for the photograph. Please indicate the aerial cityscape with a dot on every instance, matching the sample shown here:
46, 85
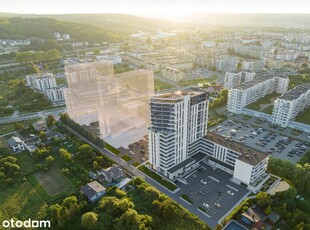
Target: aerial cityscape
155, 115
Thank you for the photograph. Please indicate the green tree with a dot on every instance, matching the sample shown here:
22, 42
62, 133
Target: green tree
49, 160
89, 221
263, 199
42, 135
268, 210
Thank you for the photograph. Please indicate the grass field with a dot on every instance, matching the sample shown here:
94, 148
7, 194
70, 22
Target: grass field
264, 100
197, 81
53, 181
157, 177
304, 117
26, 162
6, 128
162, 85
126, 158
21, 201
268, 110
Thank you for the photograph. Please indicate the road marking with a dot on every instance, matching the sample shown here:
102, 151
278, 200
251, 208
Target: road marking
232, 188
212, 178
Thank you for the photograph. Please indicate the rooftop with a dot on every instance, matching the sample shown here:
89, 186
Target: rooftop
14, 141
258, 80
248, 155
295, 93
178, 94
92, 188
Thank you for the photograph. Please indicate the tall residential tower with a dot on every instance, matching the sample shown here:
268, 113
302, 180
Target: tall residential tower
177, 121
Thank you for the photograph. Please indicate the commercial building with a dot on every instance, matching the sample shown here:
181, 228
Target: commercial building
246, 165
242, 95
177, 121
290, 104
234, 78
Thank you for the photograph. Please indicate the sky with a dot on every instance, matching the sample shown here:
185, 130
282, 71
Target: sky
154, 8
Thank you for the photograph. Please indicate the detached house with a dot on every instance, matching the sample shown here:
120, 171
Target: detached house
109, 174
94, 191
16, 144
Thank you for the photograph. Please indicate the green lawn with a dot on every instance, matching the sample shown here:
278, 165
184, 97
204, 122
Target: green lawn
135, 164
268, 110
304, 117
26, 162
264, 100
157, 177
126, 158
6, 128
185, 197
197, 81
60, 81
21, 201
162, 85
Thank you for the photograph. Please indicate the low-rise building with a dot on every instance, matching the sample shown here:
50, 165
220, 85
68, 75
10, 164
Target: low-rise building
94, 191
290, 104
246, 165
110, 174
16, 144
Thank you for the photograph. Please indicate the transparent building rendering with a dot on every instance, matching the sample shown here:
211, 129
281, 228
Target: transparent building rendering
118, 102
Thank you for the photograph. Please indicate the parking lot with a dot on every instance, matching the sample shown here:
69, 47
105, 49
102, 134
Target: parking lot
212, 190
266, 141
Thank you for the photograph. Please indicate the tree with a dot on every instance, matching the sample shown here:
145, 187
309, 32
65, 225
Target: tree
64, 154
89, 221
49, 160
42, 135
268, 210
50, 120
263, 199
96, 51
85, 149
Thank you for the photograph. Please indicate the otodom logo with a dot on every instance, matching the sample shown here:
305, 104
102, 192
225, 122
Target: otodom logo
26, 224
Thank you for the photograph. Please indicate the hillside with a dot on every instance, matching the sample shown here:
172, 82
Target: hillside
121, 23
21, 28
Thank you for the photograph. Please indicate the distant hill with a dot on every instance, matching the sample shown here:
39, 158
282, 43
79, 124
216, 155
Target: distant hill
120, 23
42, 27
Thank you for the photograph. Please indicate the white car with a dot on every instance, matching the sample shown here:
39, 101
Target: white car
230, 192
218, 205
205, 205
203, 181
131, 152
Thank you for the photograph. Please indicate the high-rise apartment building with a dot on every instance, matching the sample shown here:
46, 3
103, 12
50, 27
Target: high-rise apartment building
177, 121
290, 104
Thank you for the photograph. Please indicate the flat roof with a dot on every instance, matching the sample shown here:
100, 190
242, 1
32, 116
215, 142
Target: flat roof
258, 80
248, 155
180, 93
296, 92
197, 157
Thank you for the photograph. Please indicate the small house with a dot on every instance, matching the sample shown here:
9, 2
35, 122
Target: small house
94, 191
16, 144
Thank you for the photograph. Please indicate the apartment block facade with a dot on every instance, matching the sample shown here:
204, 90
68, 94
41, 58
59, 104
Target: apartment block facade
290, 104
234, 78
242, 95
